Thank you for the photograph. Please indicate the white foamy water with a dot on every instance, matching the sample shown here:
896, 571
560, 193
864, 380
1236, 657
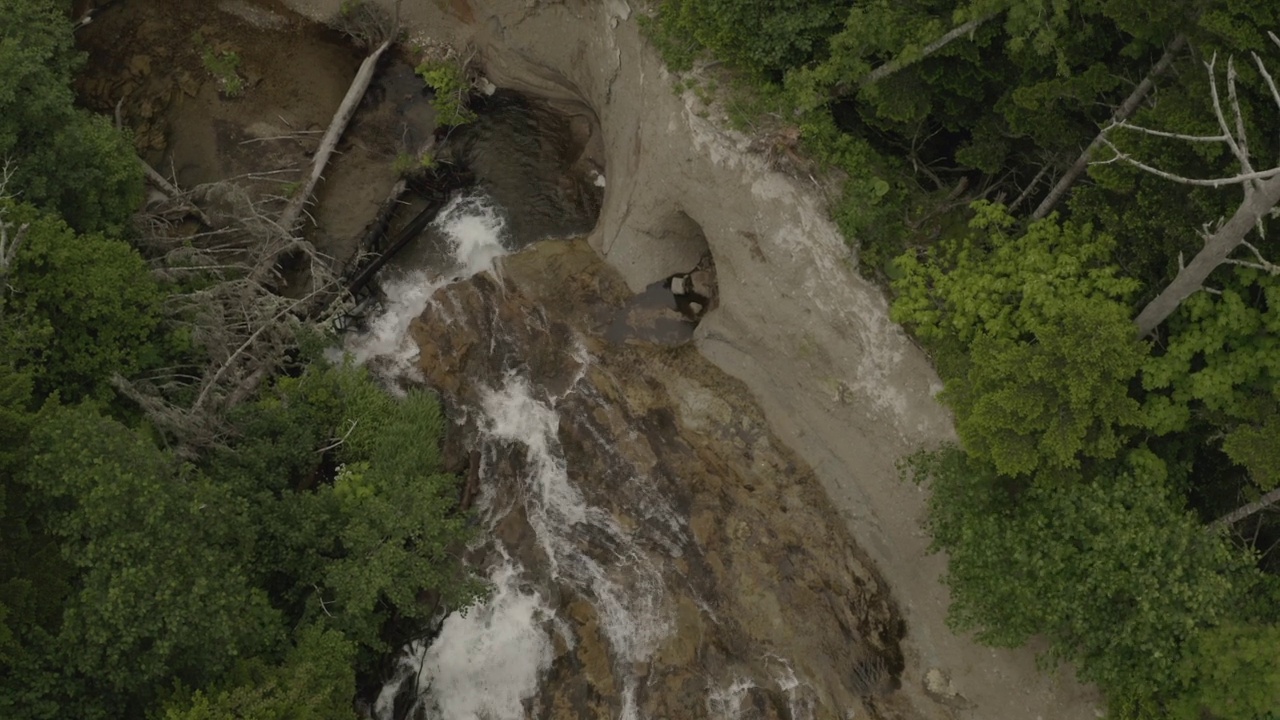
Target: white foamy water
800, 698
484, 663
628, 590
476, 232
725, 703
487, 662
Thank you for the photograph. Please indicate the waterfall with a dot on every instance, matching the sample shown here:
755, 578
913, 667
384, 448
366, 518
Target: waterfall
485, 662
474, 231
587, 519
627, 591
488, 659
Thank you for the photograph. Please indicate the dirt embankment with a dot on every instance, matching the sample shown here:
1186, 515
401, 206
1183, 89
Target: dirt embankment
838, 382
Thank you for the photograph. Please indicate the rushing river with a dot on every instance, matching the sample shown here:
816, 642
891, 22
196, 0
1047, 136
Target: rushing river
653, 550
637, 570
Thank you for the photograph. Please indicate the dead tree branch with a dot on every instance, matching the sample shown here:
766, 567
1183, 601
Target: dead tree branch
364, 76
1122, 113
1261, 194
174, 193
241, 326
9, 245
906, 60
1245, 511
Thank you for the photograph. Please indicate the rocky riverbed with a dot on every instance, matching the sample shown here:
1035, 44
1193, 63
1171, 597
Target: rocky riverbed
757, 604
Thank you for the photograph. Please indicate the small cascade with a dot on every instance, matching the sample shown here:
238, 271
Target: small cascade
483, 664
472, 231
584, 545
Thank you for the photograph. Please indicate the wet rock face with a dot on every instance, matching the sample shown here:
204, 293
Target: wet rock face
765, 608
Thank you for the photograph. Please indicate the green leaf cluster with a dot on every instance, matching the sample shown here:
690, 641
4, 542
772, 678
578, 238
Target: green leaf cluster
1232, 673
1221, 366
1058, 517
1039, 345
315, 681
258, 581
386, 520
451, 90
1109, 568
78, 308
63, 158
161, 556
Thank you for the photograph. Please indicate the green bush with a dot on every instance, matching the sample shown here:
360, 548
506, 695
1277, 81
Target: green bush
447, 81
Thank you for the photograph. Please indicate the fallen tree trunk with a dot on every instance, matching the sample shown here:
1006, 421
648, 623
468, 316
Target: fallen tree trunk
419, 223
376, 233
364, 76
1245, 511
902, 62
441, 185
1217, 248
174, 193
1122, 113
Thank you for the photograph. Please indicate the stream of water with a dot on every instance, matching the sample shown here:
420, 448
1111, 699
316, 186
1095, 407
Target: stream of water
486, 662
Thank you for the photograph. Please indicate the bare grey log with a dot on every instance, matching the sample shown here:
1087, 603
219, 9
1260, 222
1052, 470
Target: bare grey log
364, 76
173, 191
1245, 511
1217, 247
900, 62
1122, 113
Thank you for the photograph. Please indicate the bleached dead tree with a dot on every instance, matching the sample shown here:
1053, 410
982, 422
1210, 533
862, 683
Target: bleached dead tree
1261, 194
11, 235
1245, 511
239, 313
240, 324
1122, 113
347, 110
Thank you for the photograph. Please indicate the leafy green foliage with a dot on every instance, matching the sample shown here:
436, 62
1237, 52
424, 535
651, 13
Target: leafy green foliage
314, 682
765, 35
1232, 673
1004, 282
386, 524
1057, 519
1054, 400
1223, 361
79, 308
222, 65
1110, 569
260, 577
161, 554
450, 89
64, 159
1050, 348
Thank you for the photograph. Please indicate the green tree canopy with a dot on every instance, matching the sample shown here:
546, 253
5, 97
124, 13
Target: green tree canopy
78, 308
1111, 569
386, 526
316, 681
162, 591
62, 158
1038, 342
